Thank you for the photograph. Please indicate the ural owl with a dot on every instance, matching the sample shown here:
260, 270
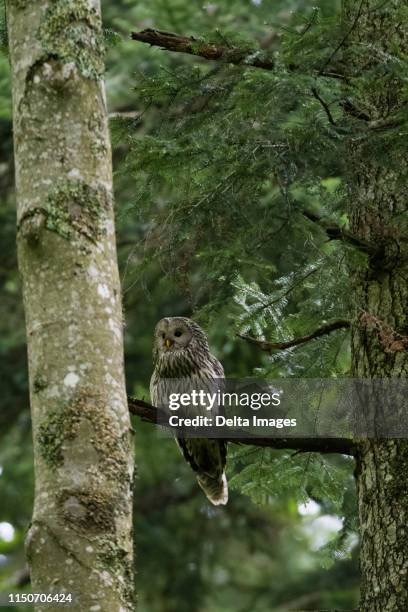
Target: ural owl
181, 352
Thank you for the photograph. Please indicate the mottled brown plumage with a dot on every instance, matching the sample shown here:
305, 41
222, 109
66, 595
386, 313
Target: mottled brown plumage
181, 353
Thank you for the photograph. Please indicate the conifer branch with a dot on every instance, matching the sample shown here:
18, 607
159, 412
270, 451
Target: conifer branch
336, 232
281, 346
228, 54
345, 37
344, 446
324, 105
210, 51
388, 123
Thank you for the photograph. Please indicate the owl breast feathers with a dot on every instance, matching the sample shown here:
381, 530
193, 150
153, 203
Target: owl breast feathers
181, 351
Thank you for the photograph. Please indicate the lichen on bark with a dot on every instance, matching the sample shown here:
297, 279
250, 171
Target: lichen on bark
74, 206
72, 32
63, 425
71, 207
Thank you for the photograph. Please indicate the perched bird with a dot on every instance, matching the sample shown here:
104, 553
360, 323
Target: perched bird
181, 352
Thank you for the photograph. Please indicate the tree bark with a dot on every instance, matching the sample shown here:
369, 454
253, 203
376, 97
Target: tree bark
80, 540
377, 201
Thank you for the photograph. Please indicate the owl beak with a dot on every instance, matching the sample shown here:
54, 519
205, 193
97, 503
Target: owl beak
168, 342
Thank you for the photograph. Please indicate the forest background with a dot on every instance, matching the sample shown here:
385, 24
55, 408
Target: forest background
206, 160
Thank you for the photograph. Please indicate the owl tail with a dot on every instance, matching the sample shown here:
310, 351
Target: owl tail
215, 489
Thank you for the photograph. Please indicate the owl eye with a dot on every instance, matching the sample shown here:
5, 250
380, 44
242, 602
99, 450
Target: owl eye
178, 333
163, 334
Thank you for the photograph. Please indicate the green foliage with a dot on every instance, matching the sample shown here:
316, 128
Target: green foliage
267, 476
270, 475
220, 163
225, 160
221, 201
112, 38
3, 30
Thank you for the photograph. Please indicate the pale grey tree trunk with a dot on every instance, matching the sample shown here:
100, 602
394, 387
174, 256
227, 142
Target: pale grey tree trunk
80, 540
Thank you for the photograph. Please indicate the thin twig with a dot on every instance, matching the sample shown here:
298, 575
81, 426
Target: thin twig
336, 232
281, 346
290, 289
344, 39
125, 115
324, 105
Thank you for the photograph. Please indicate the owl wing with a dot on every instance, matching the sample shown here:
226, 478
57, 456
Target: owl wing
218, 375
154, 388
217, 369
207, 457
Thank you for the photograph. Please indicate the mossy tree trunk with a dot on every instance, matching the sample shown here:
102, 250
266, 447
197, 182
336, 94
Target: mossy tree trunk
378, 204
80, 540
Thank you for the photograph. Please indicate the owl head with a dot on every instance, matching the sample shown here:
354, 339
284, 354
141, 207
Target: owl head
173, 335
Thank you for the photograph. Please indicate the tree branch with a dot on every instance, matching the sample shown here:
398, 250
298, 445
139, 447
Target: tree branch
335, 232
125, 115
280, 346
209, 51
344, 446
345, 37
325, 106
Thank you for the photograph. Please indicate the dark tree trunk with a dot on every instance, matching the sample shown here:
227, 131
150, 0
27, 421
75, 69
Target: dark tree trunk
378, 202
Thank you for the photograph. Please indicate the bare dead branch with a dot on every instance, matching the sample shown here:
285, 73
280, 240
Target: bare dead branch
280, 346
125, 115
343, 446
209, 51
